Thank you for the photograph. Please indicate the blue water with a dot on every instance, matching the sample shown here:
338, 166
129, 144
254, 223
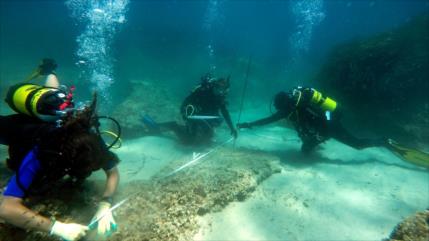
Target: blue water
112, 46
168, 40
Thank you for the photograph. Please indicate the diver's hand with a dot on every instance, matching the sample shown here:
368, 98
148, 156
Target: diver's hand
47, 66
244, 125
234, 133
68, 231
107, 221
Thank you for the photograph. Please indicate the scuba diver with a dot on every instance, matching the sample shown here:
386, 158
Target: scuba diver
317, 118
314, 117
49, 139
200, 112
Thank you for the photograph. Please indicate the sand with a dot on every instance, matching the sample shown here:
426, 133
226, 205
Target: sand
336, 193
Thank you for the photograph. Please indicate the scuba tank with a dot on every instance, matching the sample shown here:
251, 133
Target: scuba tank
325, 103
45, 103
314, 98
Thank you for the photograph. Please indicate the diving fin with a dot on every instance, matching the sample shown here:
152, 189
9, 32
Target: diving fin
150, 124
410, 155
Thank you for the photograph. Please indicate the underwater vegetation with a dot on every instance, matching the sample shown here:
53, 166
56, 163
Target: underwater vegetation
167, 207
385, 78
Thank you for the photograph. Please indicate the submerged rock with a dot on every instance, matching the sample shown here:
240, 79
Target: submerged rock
414, 228
5, 173
168, 207
145, 98
384, 79
65, 202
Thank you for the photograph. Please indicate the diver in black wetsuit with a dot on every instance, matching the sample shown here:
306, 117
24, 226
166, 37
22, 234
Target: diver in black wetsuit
315, 118
200, 112
47, 140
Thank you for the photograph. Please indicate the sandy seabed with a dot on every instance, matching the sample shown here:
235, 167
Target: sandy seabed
259, 188
336, 193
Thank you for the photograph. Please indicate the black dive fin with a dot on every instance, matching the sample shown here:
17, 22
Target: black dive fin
410, 155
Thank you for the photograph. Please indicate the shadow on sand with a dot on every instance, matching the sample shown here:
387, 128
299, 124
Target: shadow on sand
298, 159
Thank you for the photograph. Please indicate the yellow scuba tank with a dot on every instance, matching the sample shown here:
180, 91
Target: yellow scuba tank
37, 101
325, 103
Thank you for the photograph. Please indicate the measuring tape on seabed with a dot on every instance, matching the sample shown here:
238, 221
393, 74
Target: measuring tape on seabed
196, 158
117, 205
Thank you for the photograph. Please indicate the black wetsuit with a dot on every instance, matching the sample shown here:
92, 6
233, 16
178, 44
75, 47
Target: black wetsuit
21, 133
315, 126
24, 134
201, 102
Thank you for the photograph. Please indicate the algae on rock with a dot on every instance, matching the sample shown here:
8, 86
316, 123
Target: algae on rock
384, 79
167, 208
413, 228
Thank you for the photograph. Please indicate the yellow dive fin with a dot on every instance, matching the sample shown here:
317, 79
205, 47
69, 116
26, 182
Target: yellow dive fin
410, 155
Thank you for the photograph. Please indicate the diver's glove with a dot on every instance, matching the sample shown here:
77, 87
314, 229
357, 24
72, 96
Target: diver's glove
244, 125
106, 224
47, 66
68, 231
234, 133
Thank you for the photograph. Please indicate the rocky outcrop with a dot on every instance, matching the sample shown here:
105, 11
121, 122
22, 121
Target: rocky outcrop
168, 208
145, 98
383, 80
414, 228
